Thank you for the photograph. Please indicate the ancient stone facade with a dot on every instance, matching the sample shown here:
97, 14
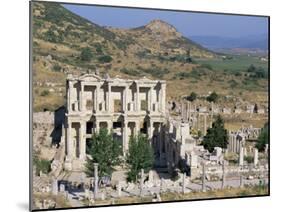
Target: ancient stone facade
127, 107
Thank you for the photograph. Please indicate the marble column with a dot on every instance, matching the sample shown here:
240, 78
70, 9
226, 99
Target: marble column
137, 103
109, 126
97, 91
125, 137
163, 105
141, 182
125, 99
205, 124
82, 141
69, 96
256, 157
183, 182
81, 93
241, 156
96, 179
150, 130
97, 127
150, 108
203, 178
69, 140
137, 128
108, 100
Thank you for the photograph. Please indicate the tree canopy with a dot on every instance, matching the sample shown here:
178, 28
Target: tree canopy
105, 151
140, 156
86, 54
263, 138
192, 97
213, 97
216, 136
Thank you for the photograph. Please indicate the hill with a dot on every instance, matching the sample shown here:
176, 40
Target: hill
64, 42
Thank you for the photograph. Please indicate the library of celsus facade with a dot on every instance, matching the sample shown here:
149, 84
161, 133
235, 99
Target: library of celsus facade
125, 107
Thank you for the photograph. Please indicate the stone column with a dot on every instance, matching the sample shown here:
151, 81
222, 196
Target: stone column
81, 105
137, 128
54, 186
141, 182
137, 104
205, 124
150, 130
241, 181
97, 126
241, 156
223, 175
96, 179
203, 178
109, 126
125, 101
150, 100
69, 150
212, 114
256, 157
97, 91
163, 93
108, 102
69, 96
183, 182
82, 141
125, 137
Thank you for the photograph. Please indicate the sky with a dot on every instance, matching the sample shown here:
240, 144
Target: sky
188, 23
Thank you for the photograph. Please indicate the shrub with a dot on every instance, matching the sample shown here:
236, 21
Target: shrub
45, 93
86, 54
105, 59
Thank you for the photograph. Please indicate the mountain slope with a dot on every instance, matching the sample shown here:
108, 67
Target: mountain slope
156, 50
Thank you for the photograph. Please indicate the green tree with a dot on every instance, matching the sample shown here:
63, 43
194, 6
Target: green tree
263, 138
105, 151
213, 97
216, 136
192, 97
86, 54
140, 156
105, 59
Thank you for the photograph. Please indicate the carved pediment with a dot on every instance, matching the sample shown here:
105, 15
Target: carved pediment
89, 77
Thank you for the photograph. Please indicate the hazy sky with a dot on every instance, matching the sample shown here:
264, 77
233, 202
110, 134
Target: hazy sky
187, 23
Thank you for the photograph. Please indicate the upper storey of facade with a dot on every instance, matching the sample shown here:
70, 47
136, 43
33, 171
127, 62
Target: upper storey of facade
91, 94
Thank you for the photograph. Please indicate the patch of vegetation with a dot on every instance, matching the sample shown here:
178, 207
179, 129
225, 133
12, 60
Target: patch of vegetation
86, 54
216, 136
213, 97
101, 143
52, 37
45, 93
41, 165
155, 71
258, 73
131, 72
249, 159
140, 156
57, 67
263, 138
105, 59
192, 97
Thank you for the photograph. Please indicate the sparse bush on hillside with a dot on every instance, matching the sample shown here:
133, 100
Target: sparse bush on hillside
86, 54
45, 93
131, 72
56, 67
255, 72
105, 59
52, 37
192, 97
213, 97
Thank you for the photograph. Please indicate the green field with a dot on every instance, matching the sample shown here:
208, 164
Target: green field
238, 63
